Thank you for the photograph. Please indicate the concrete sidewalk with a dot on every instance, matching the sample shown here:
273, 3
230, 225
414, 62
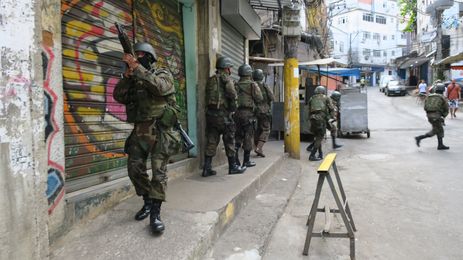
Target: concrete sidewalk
197, 212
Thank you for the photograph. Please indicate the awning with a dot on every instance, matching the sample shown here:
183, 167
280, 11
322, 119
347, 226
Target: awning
451, 59
321, 62
274, 5
414, 62
333, 71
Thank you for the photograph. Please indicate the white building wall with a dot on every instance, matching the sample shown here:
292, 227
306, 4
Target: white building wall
349, 29
23, 166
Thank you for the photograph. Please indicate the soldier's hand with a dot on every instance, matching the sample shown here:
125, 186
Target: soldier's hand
128, 72
132, 63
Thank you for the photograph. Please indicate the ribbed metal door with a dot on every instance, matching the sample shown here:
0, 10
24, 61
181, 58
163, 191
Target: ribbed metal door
94, 123
232, 46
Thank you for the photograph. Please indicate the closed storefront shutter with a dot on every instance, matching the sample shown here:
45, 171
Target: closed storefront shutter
94, 123
232, 46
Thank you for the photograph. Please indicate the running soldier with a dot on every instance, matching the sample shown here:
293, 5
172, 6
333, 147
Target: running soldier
437, 109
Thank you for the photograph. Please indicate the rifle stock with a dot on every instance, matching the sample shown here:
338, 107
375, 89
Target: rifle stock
187, 142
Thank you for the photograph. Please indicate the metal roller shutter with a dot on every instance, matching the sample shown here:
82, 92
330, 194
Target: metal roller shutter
94, 123
232, 46
159, 22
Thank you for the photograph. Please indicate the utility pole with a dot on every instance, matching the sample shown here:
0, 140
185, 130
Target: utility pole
439, 73
292, 34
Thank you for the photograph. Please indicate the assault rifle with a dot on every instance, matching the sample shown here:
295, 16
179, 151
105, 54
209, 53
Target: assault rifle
187, 143
124, 39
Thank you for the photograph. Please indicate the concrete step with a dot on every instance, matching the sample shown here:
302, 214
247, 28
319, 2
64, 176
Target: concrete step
247, 237
197, 212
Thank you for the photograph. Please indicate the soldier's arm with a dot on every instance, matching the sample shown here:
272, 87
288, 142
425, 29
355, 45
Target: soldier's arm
257, 94
332, 110
121, 91
270, 95
231, 95
159, 83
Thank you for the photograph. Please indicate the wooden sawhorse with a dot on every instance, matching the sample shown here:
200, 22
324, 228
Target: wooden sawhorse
343, 207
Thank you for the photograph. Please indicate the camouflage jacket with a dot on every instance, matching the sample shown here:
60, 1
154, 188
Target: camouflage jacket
221, 96
146, 94
265, 106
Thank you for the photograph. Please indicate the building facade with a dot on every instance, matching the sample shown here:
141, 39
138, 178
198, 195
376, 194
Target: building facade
367, 35
61, 132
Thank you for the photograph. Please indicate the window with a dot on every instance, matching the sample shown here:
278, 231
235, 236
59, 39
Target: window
342, 20
402, 36
393, 37
366, 52
381, 19
376, 53
366, 35
368, 17
376, 36
392, 53
385, 53
341, 46
384, 37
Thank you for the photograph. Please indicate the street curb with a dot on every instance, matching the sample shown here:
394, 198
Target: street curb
228, 213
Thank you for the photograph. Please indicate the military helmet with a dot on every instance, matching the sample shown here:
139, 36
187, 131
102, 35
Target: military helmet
336, 95
145, 47
440, 88
244, 70
258, 75
223, 63
320, 90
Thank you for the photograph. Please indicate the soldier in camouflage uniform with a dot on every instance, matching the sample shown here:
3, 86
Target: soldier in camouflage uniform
221, 98
148, 94
437, 109
249, 95
321, 110
332, 123
263, 111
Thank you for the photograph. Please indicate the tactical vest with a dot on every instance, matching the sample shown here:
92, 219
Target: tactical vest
318, 103
433, 103
215, 93
245, 98
143, 106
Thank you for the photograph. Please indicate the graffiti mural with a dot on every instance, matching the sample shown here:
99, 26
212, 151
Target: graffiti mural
160, 23
95, 127
55, 181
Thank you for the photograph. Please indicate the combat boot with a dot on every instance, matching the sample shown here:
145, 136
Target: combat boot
246, 159
335, 145
309, 148
259, 150
233, 167
157, 227
441, 145
145, 210
419, 138
207, 168
312, 155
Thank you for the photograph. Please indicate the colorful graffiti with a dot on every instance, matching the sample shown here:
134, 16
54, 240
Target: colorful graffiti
95, 127
55, 180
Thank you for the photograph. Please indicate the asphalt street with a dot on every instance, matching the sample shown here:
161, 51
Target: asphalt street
406, 200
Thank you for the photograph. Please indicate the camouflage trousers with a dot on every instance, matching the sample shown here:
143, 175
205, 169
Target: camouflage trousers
244, 129
318, 129
217, 125
332, 127
139, 146
437, 125
263, 128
